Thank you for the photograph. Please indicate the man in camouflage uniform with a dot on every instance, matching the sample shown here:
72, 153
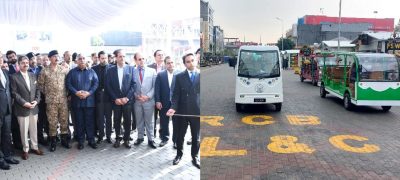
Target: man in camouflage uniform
52, 83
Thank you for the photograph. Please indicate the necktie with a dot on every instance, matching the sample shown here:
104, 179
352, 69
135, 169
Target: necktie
16, 68
140, 75
192, 76
3, 79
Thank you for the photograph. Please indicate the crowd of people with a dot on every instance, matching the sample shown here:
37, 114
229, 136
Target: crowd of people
46, 94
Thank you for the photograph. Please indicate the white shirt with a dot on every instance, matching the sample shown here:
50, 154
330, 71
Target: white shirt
170, 76
26, 77
120, 75
3, 78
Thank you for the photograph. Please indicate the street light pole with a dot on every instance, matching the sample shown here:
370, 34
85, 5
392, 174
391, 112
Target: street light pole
282, 31
340, 21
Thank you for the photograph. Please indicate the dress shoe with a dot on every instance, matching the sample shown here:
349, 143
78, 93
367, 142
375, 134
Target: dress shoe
163, 143
138, 142
189, 142
11, 161
117, 143
4, 165
80, 146
152, 144
65, 141
177, 160
127, 145
99, 141
175, 147
196, 162
108, 140
25, 156
53, 144
93, 145
37, 152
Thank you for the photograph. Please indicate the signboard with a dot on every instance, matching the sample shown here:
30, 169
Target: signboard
393, 46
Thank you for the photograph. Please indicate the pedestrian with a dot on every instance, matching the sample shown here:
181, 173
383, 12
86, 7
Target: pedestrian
120, 86
103, 101
52, 83
159, 66
145, 79
26, 99
5, 121
186, 101
163, 89
82, 83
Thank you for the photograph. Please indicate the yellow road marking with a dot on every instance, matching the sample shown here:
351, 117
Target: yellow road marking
303, 120
208, 148
338, 142
265, 120
212, 120
287, 144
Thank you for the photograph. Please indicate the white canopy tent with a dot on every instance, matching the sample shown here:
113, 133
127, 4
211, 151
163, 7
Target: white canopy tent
71, 23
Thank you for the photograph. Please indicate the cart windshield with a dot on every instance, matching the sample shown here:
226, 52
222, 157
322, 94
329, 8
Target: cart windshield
378, 67
258, 64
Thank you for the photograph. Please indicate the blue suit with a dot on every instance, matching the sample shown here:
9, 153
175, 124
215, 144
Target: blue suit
11, 68
114, 91
85, 80
163, 95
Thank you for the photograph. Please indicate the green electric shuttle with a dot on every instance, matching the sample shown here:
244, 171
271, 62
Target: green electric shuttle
361, 79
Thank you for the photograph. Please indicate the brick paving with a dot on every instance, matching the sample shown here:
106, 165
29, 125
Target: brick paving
300, 100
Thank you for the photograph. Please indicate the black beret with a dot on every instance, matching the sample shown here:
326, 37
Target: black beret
74, 56
52, 53
30, 55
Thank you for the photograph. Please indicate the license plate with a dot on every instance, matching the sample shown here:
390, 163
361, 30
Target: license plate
259, 100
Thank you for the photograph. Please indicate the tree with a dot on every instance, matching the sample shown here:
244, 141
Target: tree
287, 44
397, 27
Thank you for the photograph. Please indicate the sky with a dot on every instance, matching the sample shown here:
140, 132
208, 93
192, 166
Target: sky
252, 19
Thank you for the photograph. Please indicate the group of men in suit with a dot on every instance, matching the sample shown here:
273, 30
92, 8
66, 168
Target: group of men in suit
136, 94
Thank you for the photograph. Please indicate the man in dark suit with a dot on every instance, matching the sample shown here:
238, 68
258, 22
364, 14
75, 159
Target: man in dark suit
26, 98
159, 66
186, 101
14, 68
82, 83
43, 124
5, 121
163, 88
120, 86
103, 102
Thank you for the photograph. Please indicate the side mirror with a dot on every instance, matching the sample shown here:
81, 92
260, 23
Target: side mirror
232, 62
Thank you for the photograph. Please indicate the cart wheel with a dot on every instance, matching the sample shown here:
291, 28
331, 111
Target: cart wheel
322, 91
347, 102
314, 82
386, 108
278, 107
301, 78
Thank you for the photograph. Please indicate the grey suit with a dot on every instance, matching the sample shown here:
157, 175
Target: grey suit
21, 94
144, 111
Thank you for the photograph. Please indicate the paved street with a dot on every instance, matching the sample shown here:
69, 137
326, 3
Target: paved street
106, 162
311, 138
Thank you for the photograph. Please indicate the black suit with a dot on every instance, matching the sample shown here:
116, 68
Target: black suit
103, 103
16, 135
114, 91
186, 100
5, 118
156, 111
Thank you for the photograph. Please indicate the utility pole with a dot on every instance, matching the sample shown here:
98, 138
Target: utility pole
282, 31
340, 21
